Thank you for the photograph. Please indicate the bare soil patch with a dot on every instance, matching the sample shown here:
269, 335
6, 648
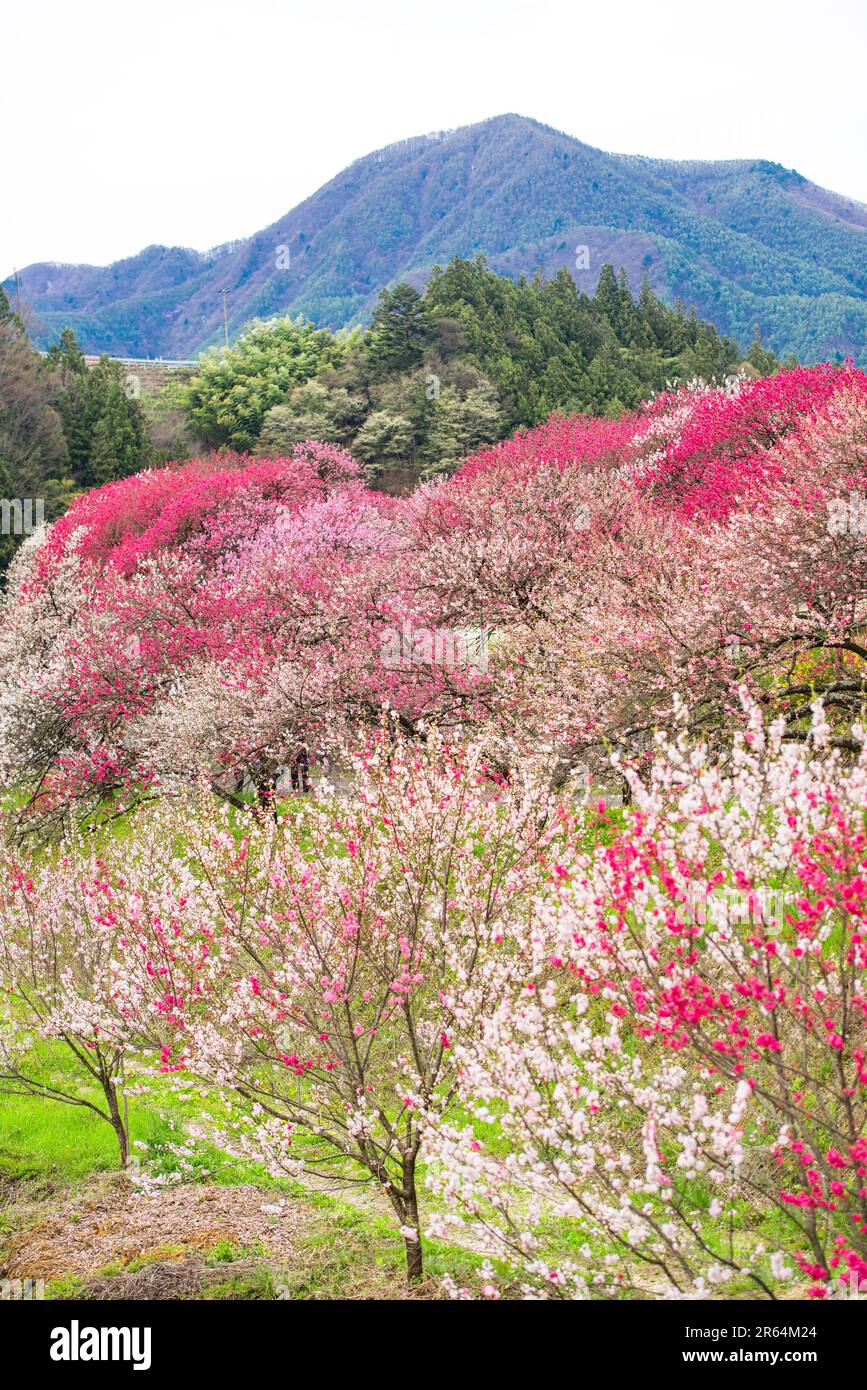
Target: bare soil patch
114, 1225
198, 1241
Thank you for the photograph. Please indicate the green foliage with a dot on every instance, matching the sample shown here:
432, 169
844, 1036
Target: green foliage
33, 449
478, 355
66, 361
399, 331
105, 428
760, 358
228, 399
464, 414
385, 435
312, 411
62, 426
550, 348
166, 421
119, 443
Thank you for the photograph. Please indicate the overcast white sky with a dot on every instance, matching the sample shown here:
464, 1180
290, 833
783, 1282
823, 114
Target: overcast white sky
192, 122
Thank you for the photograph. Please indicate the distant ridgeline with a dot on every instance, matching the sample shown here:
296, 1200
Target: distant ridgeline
414, 145
745, 242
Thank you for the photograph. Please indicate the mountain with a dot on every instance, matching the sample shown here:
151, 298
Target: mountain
745, 242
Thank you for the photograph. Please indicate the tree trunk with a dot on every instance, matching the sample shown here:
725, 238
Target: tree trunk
117, 1122
414, 1263
266, 793
414, 1260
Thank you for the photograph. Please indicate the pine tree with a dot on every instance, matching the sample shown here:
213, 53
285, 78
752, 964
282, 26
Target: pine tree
8, 543
400, 329
119, 444
607, 300
7, 313
75, 401
654, 316
33, 455
765, 362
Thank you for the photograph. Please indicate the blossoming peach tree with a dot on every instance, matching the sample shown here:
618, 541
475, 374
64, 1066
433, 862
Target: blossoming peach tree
297, 965
96, 954
671, 1094
341, 939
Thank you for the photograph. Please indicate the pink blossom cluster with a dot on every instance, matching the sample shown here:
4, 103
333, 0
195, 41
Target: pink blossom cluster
226, 613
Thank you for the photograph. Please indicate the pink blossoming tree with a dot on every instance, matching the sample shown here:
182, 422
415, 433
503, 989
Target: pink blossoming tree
680, 1042
98, 958
340, 941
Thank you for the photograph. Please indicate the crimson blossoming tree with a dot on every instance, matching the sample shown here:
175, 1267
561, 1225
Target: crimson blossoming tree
138, 603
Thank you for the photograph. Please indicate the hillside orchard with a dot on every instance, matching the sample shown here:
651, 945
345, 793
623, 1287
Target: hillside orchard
564, 952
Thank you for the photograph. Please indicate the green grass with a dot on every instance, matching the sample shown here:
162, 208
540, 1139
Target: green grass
353, 1254
38, 1139
259, 1284
48, 1151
